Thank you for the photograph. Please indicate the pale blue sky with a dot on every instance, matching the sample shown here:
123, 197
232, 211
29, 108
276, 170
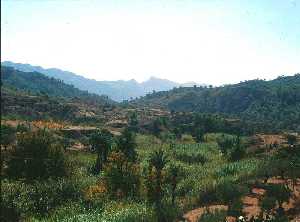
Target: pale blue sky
206, 41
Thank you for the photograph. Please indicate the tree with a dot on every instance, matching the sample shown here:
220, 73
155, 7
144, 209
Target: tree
174, 174
121, 175
37, 155
7, 135
268, 204
280, 192
101, 142
238, 150
158, 161
133, 121
126, 144
291, 139
225, 143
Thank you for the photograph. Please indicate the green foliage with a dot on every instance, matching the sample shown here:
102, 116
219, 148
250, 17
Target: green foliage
133, 121
158, 160
126, 144
37, 155
291, 139
229, 192
185, 138
262, 105
190, 157
280, 192
235, 208
232, 147
19, 199
238, 150
101, 142
7, 135
174, 177
40, 84
215, 216
22, 128
199, 134
114, 212
225, 143
122, 176
268, 203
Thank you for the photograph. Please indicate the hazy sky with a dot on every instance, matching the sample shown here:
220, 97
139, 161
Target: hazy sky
206, 41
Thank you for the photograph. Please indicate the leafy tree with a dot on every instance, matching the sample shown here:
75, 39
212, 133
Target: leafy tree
199, 134
158, 161
291, 139
126, 144
268, 204
238, 150
37, 155
280, 192
133, 121
101, 142
121, 175
174, 179
7, 135
225, 143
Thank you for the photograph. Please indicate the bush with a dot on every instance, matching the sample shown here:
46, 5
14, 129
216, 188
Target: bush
216, 216
122, 176
268, 204
235, 208
191, 158
19, 200
228, 192
7, 135
37, 155
208, 194
185, 138
280, 192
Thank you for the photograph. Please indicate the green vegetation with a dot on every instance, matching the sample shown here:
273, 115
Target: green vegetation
263, 106
154, 165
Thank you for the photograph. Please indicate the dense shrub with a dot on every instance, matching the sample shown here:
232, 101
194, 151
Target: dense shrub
37, 155
121, 175
216, 216
191, 157
186, 138
19, 199
280, 192
126, 144
101, 142
7, 135
227, 191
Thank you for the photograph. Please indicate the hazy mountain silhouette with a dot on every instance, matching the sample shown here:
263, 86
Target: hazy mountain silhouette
116, 90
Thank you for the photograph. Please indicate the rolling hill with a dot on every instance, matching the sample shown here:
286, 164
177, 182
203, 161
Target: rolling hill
117, 90
274, 103
32, 96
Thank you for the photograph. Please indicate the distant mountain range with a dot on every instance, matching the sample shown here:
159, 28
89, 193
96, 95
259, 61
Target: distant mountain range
117, 90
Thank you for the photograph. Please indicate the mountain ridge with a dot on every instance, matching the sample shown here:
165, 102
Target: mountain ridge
118, 90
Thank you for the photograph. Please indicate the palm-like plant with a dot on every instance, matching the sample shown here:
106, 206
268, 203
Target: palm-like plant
101, 142
174, 172
158, 160
126, 143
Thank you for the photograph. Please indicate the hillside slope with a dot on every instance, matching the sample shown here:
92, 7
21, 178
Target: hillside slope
33, 96
116, 90
37, 83
275, 102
